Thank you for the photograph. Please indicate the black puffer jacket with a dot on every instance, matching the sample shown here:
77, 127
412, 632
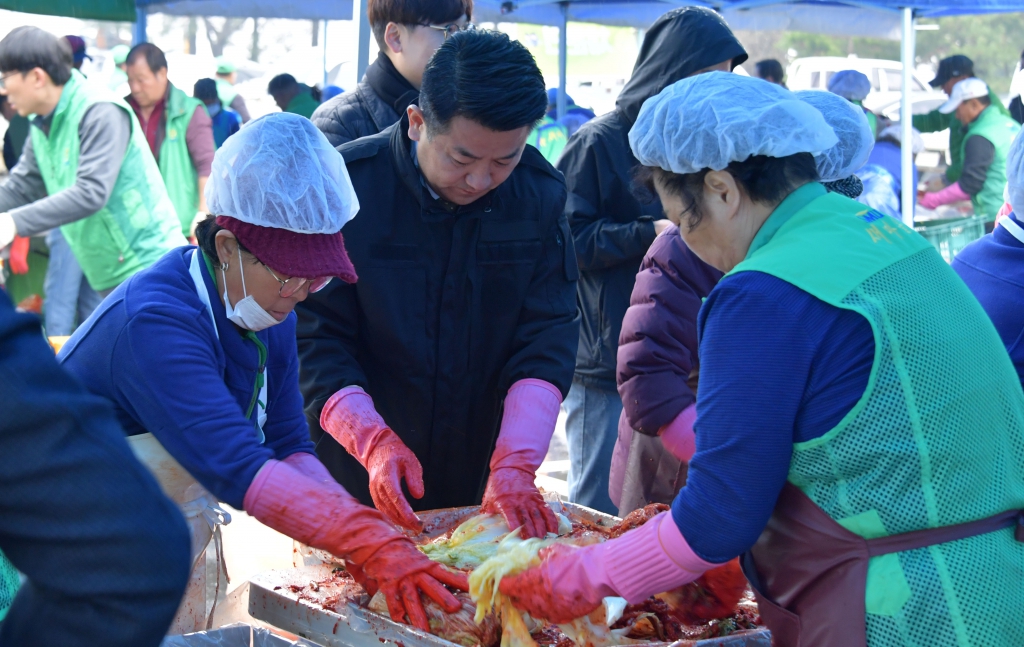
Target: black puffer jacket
453, 305
611, 229
377, 102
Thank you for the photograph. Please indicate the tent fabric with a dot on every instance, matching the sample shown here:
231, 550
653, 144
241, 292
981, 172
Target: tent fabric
121, 10
307, 10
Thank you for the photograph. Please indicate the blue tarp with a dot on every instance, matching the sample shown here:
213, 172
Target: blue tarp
296, 9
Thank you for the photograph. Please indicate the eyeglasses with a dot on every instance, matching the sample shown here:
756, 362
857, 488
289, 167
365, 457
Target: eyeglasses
290, 286
448, 30
3, 79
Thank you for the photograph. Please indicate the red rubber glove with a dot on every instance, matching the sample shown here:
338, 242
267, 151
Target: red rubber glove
531, 410
19, 255
325, 516
350, 418
572, 581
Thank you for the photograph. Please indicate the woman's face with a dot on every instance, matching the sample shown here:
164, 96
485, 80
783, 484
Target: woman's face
259, 279
729, 223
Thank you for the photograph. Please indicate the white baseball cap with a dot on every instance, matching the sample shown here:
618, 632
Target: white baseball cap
971, 88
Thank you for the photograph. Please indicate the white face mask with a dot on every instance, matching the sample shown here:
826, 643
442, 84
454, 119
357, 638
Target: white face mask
246, 313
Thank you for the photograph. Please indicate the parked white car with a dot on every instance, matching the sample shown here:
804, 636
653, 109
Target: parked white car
886, 79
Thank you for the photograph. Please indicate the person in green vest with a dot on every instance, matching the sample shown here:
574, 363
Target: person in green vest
550, 138
226, 78
85, 168
854, 86
178, 130
952, 70
118, 81
292, 96
986, 135
874, 496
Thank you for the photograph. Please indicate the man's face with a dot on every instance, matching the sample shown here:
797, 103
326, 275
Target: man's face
411, 46
25, 92
947, 87
282, 99
147, 87
468, 160
968, 111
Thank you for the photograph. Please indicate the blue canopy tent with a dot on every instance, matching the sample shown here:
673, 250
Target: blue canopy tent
892, 19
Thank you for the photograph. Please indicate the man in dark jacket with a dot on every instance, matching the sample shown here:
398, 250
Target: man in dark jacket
463, 324
612, 231
408, 32
104, 553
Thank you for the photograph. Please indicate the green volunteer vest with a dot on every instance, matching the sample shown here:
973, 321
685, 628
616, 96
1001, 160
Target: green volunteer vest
226, 92
303, 104
550, 138
137, 226
938, 436
1000, 130
10, 582
175, 162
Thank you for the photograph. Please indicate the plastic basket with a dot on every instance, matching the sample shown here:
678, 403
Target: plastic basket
951, 236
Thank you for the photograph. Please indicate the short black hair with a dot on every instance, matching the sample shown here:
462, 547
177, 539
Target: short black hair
414, 12
770, 68
27, 48
765, 180
486, 77
282, 83
205, 90
154, 56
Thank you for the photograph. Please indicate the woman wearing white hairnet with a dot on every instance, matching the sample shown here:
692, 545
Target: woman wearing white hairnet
854, 86
873, 493
197, 355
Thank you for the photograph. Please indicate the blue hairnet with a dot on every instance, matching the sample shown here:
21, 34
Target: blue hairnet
850, 84
330, 92
1015, 174
710, 120
851, 127
280, 171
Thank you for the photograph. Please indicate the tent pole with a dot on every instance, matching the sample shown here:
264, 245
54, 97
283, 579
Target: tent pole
906, 120
363, 54
139, 33
563, 58
324, 84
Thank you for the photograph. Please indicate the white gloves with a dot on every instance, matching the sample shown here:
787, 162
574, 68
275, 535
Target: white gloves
7, 230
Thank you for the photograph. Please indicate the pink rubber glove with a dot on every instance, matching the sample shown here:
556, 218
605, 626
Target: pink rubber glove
571, 581
531, 411
377, 555
952, 193
311, 466
678, 437
350, 418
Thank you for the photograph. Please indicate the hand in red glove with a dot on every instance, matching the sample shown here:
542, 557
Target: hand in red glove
531, 410
325, 516
19, 255
349, 416
571, 582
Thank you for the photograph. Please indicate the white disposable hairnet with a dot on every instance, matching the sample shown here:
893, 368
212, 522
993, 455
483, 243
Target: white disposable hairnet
850, 84
895, 131
280, 171
851, 127
710, 120
1015, 174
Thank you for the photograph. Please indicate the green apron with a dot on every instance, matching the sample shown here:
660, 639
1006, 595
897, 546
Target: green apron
1000, 131
176, 166
10, 582
137, 225
936, 440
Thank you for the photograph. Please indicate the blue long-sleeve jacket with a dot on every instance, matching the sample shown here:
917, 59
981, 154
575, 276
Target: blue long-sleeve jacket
151, 349
105, 554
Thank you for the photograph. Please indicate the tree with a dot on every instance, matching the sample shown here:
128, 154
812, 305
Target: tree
219, 37
254, 46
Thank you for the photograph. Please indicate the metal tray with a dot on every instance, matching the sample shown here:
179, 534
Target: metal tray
273, 600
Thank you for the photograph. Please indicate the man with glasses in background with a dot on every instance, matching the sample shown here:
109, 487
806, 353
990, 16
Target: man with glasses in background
408, 33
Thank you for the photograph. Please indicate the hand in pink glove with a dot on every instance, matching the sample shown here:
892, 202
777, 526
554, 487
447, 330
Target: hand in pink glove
952, 193
350, 418
571, 582
678, 437
378, 556
531, 410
